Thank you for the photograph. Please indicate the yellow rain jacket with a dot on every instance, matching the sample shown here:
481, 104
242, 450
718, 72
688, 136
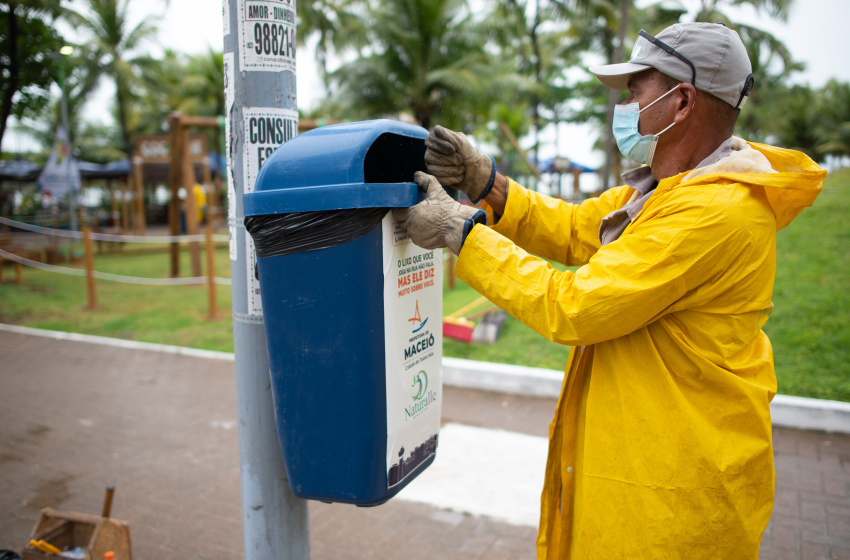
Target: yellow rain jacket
661, 443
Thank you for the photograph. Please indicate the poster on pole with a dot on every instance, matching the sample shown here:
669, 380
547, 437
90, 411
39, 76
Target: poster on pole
255, 302
266, 35
225, 17
266, 128
229, 93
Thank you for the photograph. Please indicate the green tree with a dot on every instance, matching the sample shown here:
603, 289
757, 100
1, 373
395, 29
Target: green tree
835, 108
117, 43
191, 84
606, 29
202, 85
336, 24
596, 24
28, 46
82, 74
801, 125
533, 33
772, 66
425, 57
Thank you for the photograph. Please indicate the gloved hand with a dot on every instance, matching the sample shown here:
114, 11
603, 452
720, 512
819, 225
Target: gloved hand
439, 220
455, 163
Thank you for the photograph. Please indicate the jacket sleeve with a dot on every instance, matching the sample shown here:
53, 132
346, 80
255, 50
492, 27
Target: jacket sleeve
554, 229
625, 285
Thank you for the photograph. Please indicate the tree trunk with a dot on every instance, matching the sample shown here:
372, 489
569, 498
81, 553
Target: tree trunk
535, 103
122, 117
611, 151
14, 71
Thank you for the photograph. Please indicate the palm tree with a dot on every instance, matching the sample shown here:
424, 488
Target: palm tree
537, 37
424, 57
202, 85
82, 74
337, 25
28, 42
607, 28
772, 64
835, 106
117, 42
597, 24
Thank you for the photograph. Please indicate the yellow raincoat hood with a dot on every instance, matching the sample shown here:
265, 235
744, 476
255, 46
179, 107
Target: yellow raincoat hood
661, 443
791, 180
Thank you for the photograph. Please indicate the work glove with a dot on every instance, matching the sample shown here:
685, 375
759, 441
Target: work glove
439, 220
456, 163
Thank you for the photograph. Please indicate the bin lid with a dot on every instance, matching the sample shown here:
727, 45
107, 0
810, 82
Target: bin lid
368, 164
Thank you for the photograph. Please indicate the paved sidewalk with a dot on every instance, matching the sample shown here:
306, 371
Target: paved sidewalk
162, 428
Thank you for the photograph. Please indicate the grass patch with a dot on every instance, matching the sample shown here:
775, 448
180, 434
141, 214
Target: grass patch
810, 323
163, 314
809, 327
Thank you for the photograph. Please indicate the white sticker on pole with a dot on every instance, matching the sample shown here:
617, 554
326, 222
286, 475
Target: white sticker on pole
255, 303
266, 128
229, 97
225, 17
267, 35
413, 328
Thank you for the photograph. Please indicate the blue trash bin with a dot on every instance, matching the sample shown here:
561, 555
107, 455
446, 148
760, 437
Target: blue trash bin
352, 310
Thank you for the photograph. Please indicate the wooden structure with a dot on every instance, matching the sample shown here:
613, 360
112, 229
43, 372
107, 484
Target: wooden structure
93, 533
181, 173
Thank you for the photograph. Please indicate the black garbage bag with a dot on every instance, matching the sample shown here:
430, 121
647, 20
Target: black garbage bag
284, 234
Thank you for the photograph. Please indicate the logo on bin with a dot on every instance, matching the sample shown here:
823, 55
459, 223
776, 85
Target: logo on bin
417, 319
423, 396
420, 384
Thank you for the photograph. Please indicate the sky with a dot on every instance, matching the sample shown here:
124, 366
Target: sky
814, 33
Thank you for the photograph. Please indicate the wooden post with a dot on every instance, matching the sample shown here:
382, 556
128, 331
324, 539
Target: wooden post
190, 205
140, 192
576, 174
90, 288
115, 214
125, 225
133, 221
174, 141
208, 231
217, 200
208, 187
107, 501
19, 273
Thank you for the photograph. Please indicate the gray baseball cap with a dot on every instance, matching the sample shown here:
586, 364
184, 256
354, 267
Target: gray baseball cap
709, 55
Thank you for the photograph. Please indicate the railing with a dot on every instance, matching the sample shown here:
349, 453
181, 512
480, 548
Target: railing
87, 236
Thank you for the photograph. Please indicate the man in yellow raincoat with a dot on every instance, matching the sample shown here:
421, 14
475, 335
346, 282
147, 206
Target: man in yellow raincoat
661, 442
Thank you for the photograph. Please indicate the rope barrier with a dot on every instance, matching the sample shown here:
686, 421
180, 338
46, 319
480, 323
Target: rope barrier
113, 277
112, 237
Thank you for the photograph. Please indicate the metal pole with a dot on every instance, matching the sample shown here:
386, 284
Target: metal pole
259, 79
64, 106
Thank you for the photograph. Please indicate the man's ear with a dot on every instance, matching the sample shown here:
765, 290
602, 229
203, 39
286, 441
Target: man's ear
686, 98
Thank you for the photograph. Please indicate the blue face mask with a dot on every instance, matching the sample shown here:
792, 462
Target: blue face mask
631, 143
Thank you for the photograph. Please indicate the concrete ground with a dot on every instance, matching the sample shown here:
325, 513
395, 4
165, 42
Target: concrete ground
162, 428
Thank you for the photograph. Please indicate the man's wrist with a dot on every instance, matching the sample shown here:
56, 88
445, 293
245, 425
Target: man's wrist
486, 190
497, 198
480, 217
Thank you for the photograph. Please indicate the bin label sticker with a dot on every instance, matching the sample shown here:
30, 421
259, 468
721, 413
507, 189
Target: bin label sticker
413, 319
266, 128
229, 93
255, 302
267, 35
